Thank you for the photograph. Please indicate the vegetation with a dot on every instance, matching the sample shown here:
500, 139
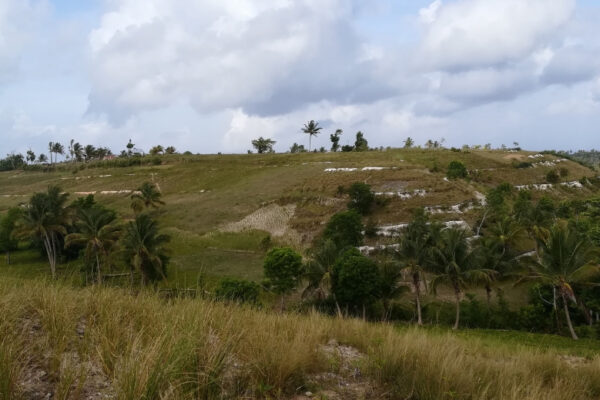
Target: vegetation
263, 145
362, 198
311, 128
344, 229
335, 140
456, 170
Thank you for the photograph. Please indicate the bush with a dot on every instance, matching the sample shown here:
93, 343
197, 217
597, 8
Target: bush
552, 177
456, 170
523, 165
361, 198
345, 229
564, 172
355, 280
238, 290
283, 268
347, 148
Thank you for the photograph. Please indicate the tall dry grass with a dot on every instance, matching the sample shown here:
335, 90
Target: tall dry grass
145, 347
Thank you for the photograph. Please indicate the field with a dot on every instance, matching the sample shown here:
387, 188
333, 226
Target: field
98, 343
222, 209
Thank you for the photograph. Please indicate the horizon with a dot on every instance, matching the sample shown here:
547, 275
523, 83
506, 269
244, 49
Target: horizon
209, 77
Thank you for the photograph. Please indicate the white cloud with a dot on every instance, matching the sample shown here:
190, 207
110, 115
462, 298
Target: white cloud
480, 33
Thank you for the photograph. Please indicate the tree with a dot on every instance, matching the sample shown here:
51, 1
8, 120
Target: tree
263, 145
144, 249
147, 196
170, 150
361, 143
90, 152
130, 146
566, 258
97, 233
345, 229
355, 280
57, 149
454, 263
77, 152
50, 150
311, 128
318, 269
8, 224
30, 156
361, 198
238, 290
335, 140
42, 158
156, 150
415, 245
297, 148
408, 143
283, 269
46, 218
456, 170
552, 177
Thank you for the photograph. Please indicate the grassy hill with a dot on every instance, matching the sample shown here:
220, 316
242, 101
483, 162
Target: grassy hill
223, 210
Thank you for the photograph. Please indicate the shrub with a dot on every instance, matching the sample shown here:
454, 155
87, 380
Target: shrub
552, 177
361, 197
564, 172
283, 268
345, 229
355, 280
347, 148
238, 290
523, 165
456, 170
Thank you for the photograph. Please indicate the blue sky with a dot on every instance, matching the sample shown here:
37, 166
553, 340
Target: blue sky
211, 75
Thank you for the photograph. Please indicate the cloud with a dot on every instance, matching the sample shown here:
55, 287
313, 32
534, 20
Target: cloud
475, 34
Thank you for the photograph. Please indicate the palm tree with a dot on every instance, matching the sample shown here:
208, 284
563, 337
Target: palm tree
318, 269
144, 249
90, 152
158, 149
454, 263
491, 255
415, 246
30, 156
566, 258
42, 158
147, 196
46, 218
50, 150
311, 128
58, 148
97, 232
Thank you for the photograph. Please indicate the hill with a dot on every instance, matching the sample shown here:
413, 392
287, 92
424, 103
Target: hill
223, 211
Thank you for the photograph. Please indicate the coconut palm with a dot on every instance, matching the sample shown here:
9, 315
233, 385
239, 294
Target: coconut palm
143, 248
415, 245
319, 268
97, 232
50, 150
311, 128
46, 218
566, 258
454, 263
57, 149
147, 196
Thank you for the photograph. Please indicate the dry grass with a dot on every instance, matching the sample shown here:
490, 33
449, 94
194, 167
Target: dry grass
145, 347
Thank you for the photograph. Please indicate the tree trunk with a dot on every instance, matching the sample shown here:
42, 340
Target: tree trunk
488, 292
417, 285
309, 142
456, 322
98, 270
568, 316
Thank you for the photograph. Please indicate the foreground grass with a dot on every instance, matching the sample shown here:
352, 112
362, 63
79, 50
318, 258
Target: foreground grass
73, 342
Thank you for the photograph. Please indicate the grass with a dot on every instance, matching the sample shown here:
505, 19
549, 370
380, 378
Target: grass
139, 346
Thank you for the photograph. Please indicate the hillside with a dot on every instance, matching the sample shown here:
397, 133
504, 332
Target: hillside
222, 209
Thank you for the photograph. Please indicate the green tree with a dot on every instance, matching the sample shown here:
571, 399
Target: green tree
345, 229
156, 150
147, 196
552, 177
283, 270
30, 156
456, 170
453, 262
335, 140
361, 198
8, 224
238, 290
408, 143
144, 249
130, 146
57, 149
42, 158
90, 152
311, 128
566, 258
355, 280
97, 233
263, 145
414, 249
46, 218
318, 269
170, 150
360, 144
297, 148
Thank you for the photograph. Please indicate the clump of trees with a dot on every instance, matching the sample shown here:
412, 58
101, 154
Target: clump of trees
263, 145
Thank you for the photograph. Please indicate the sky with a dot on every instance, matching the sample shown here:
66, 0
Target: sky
211, 75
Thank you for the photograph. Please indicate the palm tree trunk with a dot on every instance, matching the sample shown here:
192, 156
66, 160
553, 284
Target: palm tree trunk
568, 316
98, 270
309, 142
488, 292
456, 322
417, 285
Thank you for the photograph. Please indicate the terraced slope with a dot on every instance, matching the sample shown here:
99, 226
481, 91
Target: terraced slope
221, 209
